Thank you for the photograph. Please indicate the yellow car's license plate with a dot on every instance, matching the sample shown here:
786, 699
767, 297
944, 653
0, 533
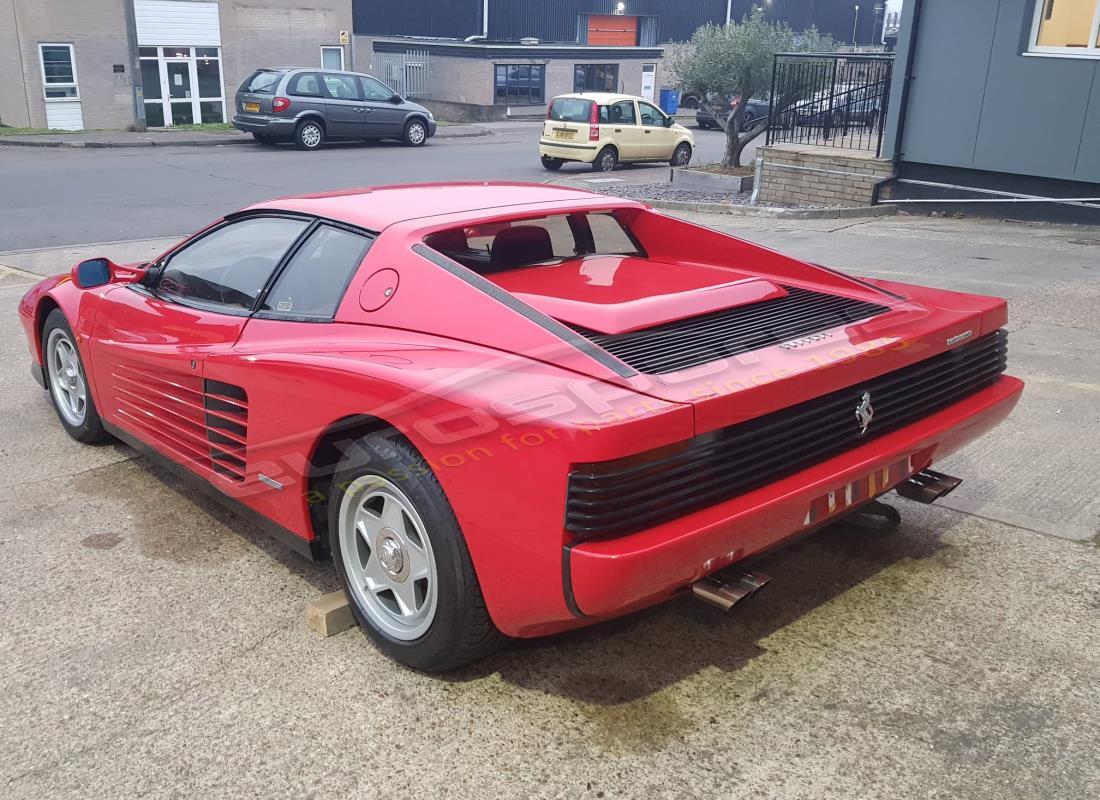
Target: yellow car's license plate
253, 107
564, 134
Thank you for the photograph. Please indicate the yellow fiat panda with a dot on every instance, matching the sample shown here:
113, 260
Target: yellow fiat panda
605, 129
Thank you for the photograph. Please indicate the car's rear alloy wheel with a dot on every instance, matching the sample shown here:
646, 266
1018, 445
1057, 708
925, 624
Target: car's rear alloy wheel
416, 133
309, 135
67, 383
606, 160
681, 156
552, 164
402, 558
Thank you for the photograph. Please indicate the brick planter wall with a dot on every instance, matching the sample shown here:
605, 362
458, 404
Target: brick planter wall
820, 176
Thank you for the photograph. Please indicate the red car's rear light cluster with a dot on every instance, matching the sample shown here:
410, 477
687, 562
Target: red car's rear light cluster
633, 493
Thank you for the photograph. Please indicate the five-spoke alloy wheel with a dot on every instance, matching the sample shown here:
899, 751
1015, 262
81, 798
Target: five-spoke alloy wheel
67, 382
388, 557
402, 558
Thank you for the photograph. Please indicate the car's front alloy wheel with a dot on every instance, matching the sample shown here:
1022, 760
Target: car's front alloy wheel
416, 133
681, 156
67, 382
403, 560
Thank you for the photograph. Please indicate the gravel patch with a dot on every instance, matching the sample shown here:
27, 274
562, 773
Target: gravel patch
665, 191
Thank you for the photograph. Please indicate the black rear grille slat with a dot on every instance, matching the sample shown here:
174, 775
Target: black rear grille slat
621, 496
697, 340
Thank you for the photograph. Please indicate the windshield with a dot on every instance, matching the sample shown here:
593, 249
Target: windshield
262, 82
571, 109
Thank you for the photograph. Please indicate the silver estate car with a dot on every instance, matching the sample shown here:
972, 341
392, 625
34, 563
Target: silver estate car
308, 106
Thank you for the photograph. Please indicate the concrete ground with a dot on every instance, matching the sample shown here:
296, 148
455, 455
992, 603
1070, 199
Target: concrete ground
154, 645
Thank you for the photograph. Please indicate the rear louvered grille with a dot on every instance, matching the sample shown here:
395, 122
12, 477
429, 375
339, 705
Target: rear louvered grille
226, 416
721, 334
641, 491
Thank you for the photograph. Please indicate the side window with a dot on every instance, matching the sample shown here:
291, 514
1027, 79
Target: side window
342, 87
229, 266
651, 116
375, 90
305, 84
314, 280
622, 113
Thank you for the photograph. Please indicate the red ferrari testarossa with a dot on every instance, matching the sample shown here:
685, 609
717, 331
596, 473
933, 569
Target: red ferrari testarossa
508, 409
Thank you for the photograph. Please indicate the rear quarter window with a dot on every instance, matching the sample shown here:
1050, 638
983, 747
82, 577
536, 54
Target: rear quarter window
261, 82
314, 281
571, 109
305, 84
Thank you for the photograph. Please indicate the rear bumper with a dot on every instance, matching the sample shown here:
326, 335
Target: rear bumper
613, 576
272, 126
568, 151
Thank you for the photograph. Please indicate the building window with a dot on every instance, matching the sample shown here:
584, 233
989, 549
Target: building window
58, 72
596, 78
332, 57
1066, 27
182, 85
519, 84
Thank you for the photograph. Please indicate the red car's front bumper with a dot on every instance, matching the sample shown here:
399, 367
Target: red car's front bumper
614, 576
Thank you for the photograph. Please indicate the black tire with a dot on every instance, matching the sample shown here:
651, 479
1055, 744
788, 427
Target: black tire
88, 429
309, 135
681, 156
746, 120
552, 164
704, 125
606, 160
264, 138
461, 631
415, 133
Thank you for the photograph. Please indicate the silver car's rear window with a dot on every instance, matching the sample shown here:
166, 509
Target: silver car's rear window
262, 82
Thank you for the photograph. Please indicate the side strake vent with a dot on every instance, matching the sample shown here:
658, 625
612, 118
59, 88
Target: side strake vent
226, 417
698, 340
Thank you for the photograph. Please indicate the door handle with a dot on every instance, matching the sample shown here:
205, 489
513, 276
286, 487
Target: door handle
618, 130
647, 130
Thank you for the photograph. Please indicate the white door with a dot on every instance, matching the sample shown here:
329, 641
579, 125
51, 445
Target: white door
649, 80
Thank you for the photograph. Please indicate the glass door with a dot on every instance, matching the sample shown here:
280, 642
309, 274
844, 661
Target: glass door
182, 85
181, 108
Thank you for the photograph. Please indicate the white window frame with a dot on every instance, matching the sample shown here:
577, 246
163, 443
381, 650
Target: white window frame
1091, 51
339, 47
75, 85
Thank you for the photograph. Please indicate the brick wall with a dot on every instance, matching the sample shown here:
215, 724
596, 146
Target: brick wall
820, 176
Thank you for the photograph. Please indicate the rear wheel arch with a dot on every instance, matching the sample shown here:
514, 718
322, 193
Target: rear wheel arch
324, 457
312, 116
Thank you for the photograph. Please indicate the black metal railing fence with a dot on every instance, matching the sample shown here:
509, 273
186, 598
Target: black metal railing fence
830, 99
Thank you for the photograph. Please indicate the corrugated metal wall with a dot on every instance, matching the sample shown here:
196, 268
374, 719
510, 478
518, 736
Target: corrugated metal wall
445, 19
556, 20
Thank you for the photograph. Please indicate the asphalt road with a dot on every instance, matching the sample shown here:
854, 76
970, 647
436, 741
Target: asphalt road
153, 645
64, 196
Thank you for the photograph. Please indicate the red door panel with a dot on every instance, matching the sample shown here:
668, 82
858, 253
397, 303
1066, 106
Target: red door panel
147, 357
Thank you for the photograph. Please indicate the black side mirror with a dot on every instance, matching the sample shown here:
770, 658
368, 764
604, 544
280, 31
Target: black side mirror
92, 272
669, 122
396, 98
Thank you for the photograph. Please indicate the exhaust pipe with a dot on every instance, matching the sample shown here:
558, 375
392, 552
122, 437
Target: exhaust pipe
928, 486
728, 587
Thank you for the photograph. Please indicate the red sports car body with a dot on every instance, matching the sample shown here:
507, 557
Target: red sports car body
599, 405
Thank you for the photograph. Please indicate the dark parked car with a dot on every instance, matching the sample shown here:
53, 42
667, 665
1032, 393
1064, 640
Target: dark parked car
308, 106
757, 109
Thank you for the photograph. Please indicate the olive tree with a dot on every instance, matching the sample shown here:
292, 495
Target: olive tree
724, 61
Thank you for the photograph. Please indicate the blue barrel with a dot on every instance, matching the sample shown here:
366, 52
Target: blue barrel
670, 101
